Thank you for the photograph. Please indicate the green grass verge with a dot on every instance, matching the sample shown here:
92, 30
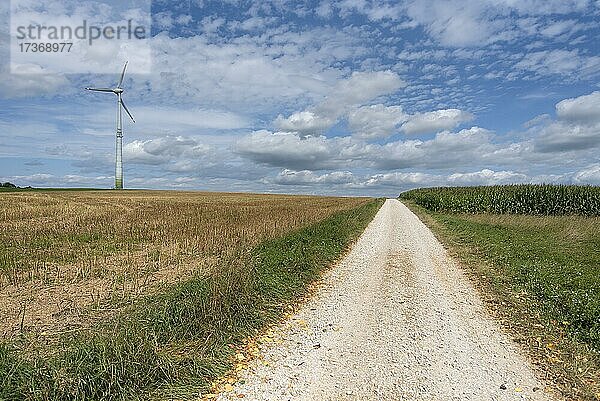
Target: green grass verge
541, 275
180, 340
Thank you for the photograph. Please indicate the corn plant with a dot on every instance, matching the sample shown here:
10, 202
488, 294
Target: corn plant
530, 199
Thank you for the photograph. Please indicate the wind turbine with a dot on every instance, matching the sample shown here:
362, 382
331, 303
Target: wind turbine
119, 148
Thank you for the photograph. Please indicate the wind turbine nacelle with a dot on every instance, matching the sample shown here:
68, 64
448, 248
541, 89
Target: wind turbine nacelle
118, 90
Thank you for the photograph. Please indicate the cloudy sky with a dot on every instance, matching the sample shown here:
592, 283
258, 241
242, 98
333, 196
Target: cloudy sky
330, 97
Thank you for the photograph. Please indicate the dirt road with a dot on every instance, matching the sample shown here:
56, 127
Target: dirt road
395, 320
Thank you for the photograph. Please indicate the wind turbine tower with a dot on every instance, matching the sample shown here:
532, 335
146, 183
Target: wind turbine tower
119, 143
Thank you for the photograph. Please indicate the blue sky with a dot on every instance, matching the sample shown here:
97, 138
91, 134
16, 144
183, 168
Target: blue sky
329, 97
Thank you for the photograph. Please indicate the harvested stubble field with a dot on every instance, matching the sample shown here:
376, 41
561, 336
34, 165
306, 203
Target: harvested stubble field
66, 257
143, 295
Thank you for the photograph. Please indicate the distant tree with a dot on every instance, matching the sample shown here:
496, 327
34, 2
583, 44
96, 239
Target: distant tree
8, 185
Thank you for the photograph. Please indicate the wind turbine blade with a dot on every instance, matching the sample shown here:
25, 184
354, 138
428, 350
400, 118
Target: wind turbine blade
122, 75
127, 110
100, 89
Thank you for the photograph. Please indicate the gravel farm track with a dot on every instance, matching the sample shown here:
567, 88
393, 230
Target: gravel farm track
396, 319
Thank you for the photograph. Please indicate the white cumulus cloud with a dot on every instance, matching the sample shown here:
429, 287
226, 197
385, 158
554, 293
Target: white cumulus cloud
487, 177
580, 109
346, 95
375, 121
164, 150
435, 121
304, 123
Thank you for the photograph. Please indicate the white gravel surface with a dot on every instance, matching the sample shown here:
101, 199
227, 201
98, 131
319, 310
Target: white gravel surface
396, 319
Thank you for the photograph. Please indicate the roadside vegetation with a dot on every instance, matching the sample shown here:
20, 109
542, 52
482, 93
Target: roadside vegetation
195, 274
541, 200
536, 257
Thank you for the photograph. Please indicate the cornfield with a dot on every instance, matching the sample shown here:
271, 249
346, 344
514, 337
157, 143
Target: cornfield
547, 200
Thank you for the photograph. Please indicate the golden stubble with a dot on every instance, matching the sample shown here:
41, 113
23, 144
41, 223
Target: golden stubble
68, 258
